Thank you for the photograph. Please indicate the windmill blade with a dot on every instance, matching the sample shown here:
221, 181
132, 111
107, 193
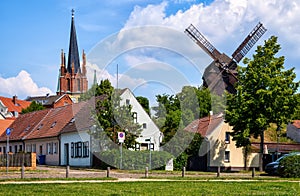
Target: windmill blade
199, 39
249, 42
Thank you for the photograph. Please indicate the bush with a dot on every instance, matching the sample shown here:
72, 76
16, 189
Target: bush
180, 161
289, 167
134, 160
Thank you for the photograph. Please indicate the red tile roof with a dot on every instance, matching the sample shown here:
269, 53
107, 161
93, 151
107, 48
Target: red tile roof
4, 124
24, 124
55, 121
282, 147
205, 125
296, 123
43, 123
17, 106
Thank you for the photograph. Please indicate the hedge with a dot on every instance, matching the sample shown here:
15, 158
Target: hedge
134, 160
289, 167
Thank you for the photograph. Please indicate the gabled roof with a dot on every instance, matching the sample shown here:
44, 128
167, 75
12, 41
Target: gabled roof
205, 125
4, 124
24, 124
14, 104
296, 123
43, 123
52, 124
48, 100
83, 120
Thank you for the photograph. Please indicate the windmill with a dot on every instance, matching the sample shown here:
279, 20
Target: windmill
221, 74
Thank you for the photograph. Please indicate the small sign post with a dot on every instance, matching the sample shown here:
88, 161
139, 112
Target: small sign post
121, 138
7, 147
149, 140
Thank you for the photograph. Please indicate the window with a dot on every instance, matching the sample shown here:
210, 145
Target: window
0, 149
20, 148
127, 101
78, 149
50, 148
10, 149
16, 148
40, 126
28, 147
4, 149
55, 148
86, 149
144, 126
227, 137
227, 156
78, 84
53, 124
68, 84
33, 147
72, 150
134, 116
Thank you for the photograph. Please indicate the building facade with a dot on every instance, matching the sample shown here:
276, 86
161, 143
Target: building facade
72, 78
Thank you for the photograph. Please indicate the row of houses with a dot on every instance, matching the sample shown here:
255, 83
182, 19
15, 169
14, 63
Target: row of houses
62, 135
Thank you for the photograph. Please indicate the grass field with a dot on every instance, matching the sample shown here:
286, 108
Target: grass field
156, 188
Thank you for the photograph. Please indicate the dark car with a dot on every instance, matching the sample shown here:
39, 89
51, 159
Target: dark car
272, 168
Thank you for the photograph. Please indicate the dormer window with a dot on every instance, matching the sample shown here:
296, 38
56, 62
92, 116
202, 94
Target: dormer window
53, 124
40, 126
27, 128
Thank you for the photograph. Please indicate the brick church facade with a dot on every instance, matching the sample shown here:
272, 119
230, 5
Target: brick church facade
72, 78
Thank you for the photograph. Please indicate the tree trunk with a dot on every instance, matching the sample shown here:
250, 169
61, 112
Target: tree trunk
261, 151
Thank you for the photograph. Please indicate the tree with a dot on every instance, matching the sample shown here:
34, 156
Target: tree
34, 106
113, 117
265, 94
144, 103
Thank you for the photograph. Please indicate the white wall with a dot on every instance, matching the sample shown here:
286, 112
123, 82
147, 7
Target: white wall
151, 130
68, 138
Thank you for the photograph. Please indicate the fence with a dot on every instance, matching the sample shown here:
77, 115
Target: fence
17, 160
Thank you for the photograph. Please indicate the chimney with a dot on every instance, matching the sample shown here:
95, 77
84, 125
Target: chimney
210, 115
14, 99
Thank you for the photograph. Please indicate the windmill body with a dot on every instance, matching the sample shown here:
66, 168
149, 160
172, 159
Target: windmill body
222, 74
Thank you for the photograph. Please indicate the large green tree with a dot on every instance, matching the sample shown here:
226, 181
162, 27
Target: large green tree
265, 94
34, 106
111, 116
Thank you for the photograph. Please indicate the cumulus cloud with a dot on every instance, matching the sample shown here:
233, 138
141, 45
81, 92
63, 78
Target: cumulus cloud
225, 23
22, 85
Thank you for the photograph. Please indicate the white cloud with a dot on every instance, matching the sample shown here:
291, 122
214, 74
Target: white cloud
22, 85
226, 23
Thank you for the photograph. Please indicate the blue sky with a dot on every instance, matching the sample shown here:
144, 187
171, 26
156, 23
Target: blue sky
151, 50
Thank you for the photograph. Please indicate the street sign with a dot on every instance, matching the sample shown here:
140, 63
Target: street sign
8, 131
121, 137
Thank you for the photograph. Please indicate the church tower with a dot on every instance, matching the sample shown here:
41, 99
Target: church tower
72, 78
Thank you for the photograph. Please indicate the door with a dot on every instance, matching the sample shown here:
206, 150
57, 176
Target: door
66, 154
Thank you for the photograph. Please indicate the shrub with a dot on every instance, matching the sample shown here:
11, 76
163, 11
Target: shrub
289, 167
134, 160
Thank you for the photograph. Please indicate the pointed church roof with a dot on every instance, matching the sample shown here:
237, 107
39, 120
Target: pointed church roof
73, 49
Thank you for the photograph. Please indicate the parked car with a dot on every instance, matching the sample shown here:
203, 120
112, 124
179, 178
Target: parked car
272, 168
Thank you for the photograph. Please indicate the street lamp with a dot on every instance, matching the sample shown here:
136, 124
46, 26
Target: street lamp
278, 136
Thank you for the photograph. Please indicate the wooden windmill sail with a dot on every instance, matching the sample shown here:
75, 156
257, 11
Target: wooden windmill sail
221, 74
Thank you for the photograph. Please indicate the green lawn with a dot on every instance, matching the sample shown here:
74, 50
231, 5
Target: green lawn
156, 188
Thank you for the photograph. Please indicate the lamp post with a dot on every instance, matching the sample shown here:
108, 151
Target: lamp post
278, 137
149, 140
7, 148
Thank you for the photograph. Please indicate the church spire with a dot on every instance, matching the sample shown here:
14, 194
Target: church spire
73, 56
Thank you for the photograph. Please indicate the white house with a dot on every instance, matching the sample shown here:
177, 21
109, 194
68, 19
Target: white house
150, 133
75, 140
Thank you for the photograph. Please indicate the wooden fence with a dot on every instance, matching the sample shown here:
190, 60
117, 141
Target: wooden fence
16, 161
